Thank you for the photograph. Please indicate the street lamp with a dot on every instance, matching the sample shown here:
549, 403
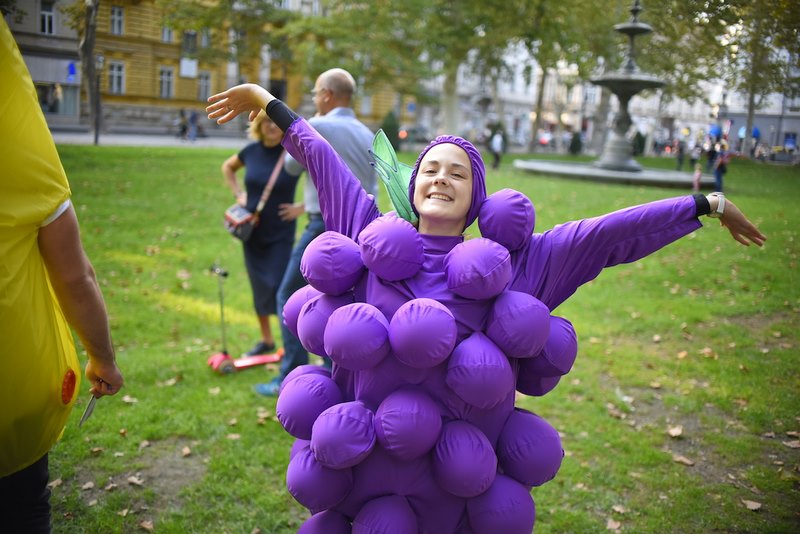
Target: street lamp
98, 72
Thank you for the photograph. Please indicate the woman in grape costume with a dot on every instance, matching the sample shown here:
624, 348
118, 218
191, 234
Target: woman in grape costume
415, 429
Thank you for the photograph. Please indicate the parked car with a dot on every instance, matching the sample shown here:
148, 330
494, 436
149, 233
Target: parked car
414, 134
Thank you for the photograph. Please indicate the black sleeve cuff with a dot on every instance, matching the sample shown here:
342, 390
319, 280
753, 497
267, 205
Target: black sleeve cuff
701, 205
281, 114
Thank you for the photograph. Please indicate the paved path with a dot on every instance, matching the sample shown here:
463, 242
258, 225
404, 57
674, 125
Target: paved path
87, 138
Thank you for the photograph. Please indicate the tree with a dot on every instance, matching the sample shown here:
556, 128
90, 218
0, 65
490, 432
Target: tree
82, 17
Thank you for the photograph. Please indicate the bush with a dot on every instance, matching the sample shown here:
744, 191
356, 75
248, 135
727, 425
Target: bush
391, 127
575, 144
638, 144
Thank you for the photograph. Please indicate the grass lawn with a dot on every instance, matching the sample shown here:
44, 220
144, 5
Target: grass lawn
682, 412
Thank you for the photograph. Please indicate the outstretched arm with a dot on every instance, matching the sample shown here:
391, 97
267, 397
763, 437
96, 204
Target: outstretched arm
560, 260
73, 279
345, 206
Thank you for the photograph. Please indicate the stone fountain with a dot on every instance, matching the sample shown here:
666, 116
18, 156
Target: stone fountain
616, 163
625, 83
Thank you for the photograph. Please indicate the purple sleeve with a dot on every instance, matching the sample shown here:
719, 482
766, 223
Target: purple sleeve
557, 262
346, 208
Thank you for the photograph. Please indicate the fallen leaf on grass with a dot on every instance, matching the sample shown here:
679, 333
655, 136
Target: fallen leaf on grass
656, 338
123, 512
233, 422
55, 483
613, 525
619, 509
768, 435
708, 352
682, 460
655, 385
135, 480
794, 444
186, 451
793, 433
144, 444
751, 505
119, 454
129, 400
87, 486
93, 502
682, 354
675, 431
96, 450
123, 432
146, 525
110, 486
594, 340
233, 436
214, 391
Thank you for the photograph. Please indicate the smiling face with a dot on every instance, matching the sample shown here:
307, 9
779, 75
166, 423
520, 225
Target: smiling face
443, 190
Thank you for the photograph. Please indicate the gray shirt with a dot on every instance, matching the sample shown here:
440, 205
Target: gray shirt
351, 139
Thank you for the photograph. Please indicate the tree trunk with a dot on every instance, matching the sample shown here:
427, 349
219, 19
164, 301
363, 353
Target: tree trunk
86, 53
537, 122
450, 102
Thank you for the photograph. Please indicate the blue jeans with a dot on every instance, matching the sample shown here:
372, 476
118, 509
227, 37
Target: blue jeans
718, 175
294, 353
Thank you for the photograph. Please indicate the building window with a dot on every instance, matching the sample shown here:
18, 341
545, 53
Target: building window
117, 20
46, 18
165, 82
166, 34
205, 38
116, 78
189, 45
203, 86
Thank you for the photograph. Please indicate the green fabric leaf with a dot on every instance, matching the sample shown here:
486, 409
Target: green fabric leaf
395, 176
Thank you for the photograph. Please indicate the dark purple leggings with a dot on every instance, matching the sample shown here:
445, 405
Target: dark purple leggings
25, 499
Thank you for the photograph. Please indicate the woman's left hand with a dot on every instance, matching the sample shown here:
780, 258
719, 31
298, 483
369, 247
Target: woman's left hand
740, 226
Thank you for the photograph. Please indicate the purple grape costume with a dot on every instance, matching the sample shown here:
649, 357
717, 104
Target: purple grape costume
416, 430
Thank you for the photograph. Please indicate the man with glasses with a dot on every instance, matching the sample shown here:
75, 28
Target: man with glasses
335, 121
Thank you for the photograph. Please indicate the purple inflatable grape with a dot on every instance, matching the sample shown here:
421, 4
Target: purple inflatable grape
386, 515
477, 269
409, 333
303, 399
529, 449
314, 317
336, 261
357, 336
343, 435
506, 507
519, 324
291, 310
479, 372
391, 248
464, 462
315, 486
408, 423
327, 522
508, 218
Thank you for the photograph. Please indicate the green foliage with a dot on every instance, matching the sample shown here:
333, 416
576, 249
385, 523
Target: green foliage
210, 456
638, 143
575, 144
391, 127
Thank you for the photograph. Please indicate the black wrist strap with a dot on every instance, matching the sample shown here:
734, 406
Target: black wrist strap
281, 114
701, 205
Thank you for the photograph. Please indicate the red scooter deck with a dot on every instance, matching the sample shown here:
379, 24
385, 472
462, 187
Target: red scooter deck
222, 362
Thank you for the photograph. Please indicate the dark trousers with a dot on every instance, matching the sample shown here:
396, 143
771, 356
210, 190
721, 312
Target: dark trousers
25, 500
294, 353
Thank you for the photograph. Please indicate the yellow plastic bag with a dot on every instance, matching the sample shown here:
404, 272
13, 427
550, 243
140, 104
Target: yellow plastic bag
39, 371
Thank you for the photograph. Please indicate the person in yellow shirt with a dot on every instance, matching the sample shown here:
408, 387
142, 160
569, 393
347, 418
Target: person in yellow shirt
47, 285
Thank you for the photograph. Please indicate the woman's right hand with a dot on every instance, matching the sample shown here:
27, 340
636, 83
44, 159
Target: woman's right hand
228, 105
241, 198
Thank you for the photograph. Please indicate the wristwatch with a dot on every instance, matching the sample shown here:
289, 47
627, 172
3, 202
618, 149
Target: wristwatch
716, 214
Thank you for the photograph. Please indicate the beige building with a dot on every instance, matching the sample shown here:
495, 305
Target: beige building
149, 77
